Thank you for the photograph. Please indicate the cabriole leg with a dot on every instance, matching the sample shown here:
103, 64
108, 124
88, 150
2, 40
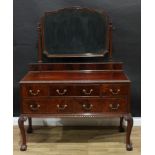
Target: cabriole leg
129, 120
29, 129
21, 121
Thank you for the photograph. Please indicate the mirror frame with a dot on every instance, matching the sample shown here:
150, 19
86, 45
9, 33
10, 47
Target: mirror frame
41, 46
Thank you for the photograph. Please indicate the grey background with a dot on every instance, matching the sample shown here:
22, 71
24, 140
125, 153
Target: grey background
126, 17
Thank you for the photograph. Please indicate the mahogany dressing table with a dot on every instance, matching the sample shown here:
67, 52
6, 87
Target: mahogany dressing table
83, 89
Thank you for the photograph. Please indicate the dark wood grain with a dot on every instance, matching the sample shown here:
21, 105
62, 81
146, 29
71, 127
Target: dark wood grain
74, 105
76, 92
115, 89
33, 90
129, 120
21, 121
74, 76
76, 66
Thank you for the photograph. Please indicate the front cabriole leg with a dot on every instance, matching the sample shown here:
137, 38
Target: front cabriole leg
129, 120
21, 121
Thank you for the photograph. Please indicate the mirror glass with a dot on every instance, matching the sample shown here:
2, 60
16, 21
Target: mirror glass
74, 33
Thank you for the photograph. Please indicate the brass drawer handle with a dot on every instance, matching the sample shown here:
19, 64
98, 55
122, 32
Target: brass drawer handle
62, 107
87, 93
34, 107
114, 92
34, 93
61, 93
114, 107
87, 107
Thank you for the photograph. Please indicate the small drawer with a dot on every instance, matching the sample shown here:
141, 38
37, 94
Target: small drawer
115, 105
87, 105
61, 90
34, 107
87, 90
114, 89
59, 106
33, 90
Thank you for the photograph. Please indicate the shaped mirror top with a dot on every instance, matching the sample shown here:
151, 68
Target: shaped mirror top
74, 32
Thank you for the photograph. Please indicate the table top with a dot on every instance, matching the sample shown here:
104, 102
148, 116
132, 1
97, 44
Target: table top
76, 76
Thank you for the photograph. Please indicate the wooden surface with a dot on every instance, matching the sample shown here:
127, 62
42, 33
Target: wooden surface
111, 89
77, 140
73, 76
108, 65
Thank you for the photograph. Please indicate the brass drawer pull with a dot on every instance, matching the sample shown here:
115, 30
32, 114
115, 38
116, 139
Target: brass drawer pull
61, 93
87, 93
34, 107
87, 107
114, 107
114, 92
34, 93
62, 107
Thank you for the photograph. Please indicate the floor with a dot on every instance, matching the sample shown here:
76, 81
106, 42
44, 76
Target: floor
77, 141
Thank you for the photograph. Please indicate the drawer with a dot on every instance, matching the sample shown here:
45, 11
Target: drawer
97, 105
87, 90
114, 89
74, 90
34, 106
115, 105
33, 90
87, 105
72, 105
60, 106
61, 90
47, 106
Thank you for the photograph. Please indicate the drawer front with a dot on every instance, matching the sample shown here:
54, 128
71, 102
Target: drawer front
84, 105
61, 90
87, 105
114, 105
45, 106
74, 90
87, 90
34, 90
114, 89
34, 106
59, 106
94, 105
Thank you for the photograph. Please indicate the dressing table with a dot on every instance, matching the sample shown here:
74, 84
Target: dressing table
75, 89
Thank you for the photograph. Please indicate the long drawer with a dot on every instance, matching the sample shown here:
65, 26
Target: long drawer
101, 105
74, 105
40, 106
74, 90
